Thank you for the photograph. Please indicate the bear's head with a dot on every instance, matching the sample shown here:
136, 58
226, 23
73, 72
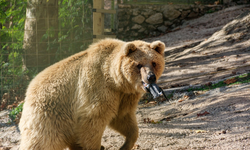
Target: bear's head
141, 63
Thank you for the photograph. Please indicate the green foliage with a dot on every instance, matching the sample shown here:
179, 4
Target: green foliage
74, 28
74, 35
16, 111
12, 19
244, 78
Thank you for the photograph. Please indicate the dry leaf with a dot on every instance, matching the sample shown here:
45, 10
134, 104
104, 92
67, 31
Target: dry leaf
181, 100
229, 81
203, 114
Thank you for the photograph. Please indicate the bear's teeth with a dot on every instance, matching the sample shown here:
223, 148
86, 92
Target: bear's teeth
145, 85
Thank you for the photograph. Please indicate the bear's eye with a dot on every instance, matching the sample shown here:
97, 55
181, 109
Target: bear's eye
154, 64
139, 66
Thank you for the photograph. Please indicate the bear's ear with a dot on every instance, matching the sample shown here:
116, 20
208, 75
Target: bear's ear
129, 48
158, 46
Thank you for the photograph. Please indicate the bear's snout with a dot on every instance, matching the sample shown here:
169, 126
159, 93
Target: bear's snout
148, 75
151, 78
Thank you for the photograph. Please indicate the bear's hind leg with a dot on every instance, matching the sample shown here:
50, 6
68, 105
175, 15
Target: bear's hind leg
32, 140
127, 126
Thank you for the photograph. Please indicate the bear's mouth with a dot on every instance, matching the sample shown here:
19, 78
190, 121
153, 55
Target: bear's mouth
145, 86
153, 89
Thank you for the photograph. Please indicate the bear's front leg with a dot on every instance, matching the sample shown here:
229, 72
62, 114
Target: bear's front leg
127, 126
89, 134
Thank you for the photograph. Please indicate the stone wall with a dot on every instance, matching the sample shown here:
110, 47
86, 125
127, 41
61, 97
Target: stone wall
141, 21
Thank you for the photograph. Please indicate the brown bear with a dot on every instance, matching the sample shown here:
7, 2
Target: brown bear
69, 104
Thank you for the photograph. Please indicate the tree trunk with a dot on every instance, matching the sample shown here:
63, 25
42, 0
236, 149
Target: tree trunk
41, 28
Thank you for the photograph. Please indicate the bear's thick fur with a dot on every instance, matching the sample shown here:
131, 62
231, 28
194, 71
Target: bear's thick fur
69, 104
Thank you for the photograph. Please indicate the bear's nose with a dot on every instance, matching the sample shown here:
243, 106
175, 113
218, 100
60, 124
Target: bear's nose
151, 78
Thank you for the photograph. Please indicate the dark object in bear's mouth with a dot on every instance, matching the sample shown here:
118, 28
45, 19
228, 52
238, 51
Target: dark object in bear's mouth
155, 90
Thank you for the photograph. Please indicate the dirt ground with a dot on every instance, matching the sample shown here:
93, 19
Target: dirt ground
206, 49
218, 119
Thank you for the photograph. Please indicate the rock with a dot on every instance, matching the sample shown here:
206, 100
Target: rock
136, 26
121, 13
148, 12
144, 19
182, 7
151, 27
154, 33
193, 15
127, 29
120, 29
129, 12
142, 30
201, 7
170, 12
155, 19
157, 8
134, 34
138, 19
136, 12
196, 10
184, 14
124, 6
123, 24
162, 28
168, 23
126, 17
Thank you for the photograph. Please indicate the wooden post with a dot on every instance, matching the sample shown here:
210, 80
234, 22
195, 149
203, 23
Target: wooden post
98, 20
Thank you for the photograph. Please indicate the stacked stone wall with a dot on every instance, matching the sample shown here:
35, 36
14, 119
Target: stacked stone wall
142, 21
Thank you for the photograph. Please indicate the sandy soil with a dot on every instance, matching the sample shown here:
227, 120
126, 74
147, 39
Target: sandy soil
208, 49
195, 54
185, 125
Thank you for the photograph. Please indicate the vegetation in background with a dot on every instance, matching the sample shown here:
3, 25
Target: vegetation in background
75, 27
15, 114
74, 35
12, 18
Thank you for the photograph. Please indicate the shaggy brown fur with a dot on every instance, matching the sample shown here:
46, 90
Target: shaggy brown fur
69, 104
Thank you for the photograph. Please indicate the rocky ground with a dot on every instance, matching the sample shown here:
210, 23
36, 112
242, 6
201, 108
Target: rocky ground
206, 49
